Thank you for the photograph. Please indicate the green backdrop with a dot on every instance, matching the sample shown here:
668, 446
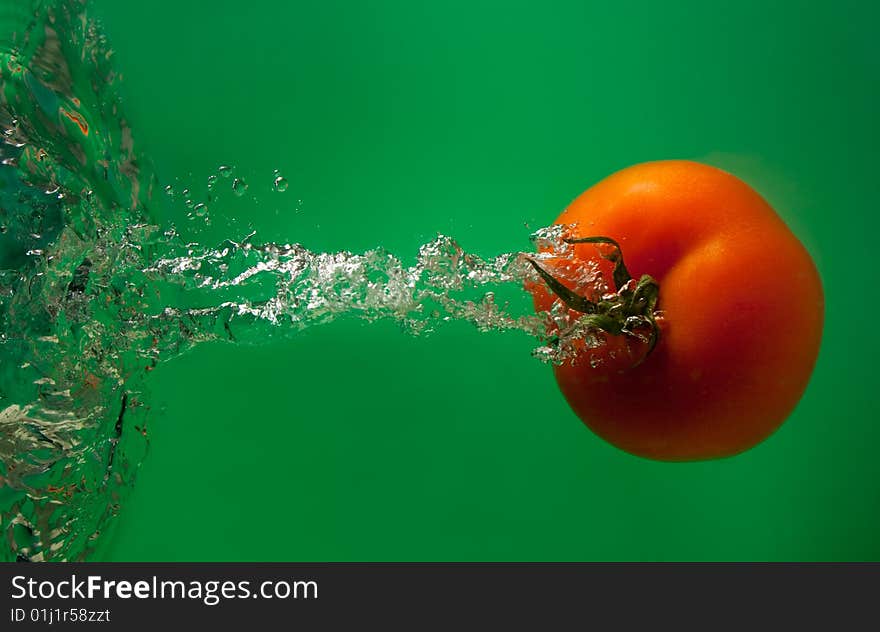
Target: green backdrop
397, 120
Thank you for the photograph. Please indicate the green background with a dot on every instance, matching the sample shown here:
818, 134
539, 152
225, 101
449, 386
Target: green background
397, 120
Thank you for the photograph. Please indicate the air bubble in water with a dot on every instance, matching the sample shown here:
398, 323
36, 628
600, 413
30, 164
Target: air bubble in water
239, 187
280, 184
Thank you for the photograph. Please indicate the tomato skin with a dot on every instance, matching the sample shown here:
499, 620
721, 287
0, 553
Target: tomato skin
742, 308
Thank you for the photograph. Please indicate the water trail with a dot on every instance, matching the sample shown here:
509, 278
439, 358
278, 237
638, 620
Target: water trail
93, 294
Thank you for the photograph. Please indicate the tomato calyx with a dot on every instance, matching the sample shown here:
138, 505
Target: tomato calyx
631, 310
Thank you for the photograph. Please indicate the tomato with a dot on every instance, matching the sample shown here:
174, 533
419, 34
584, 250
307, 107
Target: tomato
729, 342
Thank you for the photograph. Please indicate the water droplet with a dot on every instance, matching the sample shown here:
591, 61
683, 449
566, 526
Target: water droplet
3, 229
225, 171
281, 184
212, 180
200, 210
185, 193
239, 187
189, 203
169, 190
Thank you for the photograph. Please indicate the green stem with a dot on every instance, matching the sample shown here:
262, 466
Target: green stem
626, 312
621, 274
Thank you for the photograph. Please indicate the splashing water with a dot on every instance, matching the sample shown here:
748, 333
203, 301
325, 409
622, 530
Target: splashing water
93, 294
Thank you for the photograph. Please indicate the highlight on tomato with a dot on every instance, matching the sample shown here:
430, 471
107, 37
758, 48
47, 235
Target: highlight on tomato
706, 311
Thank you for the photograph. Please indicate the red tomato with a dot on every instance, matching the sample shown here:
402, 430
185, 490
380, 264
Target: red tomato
740, 304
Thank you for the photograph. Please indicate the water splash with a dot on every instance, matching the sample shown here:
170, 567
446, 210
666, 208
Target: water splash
71, 182
93, 294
